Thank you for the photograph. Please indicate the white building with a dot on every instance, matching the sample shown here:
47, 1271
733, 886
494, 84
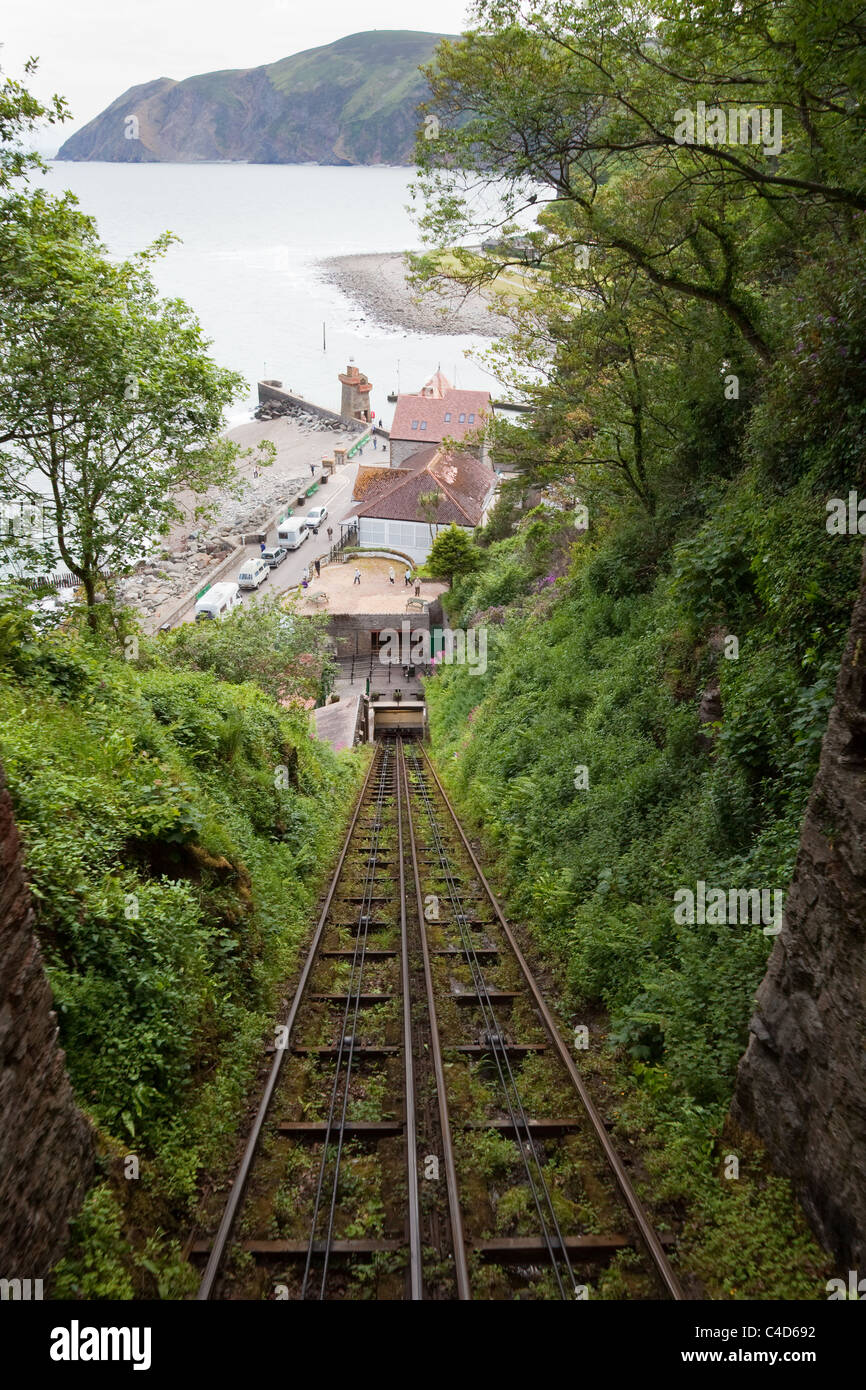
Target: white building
392, 513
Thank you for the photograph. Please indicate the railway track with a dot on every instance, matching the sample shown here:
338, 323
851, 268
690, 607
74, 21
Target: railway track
424, 1132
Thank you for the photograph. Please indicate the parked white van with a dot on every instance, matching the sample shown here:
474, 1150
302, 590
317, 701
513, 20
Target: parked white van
253, 573
219, 600
292, 532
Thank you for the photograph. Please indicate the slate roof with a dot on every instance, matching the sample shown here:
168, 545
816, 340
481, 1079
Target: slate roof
462, 482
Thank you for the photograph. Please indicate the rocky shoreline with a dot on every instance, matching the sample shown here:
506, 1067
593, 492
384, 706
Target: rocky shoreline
379, 286
194, 549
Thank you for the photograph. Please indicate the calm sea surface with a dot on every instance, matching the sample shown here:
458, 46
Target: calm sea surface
251, 236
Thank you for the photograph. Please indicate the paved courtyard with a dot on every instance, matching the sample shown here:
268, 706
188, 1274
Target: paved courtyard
375, 594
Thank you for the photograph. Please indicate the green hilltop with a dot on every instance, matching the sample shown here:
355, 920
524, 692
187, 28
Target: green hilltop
349, 102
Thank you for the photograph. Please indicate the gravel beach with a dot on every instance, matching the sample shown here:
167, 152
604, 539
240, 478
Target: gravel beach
378, 284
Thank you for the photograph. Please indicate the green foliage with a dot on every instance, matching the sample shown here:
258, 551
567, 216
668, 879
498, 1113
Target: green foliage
605, 672
452, 554
175, 826
116, 378
98, 1268
281, 651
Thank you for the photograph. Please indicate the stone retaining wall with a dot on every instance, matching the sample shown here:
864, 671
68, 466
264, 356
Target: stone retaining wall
46, 1143
802, 1082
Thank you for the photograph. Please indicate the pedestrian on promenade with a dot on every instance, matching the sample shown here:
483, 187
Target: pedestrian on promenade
417, 588
305, 575
313, 470
262, 547
318, 565
407, 578
391, 573
357, 578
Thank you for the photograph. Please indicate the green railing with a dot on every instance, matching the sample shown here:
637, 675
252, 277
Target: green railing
359, 444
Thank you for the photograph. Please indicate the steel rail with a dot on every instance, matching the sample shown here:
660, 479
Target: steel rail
647, 1231
353, 994
464, 1288
416, 1268
510, 1090
217, 1251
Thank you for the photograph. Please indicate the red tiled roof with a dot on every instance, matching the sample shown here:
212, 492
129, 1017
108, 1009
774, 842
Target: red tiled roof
438, 385
429, 411
461, 481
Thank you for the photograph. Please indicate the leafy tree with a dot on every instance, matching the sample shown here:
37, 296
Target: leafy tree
109, 402
578, 107
20, 114
269, 643
428, 505
453, 554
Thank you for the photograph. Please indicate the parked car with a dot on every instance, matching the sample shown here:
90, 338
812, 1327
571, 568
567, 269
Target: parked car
315, 516
275, 556
253, 573
292, 532
219, 601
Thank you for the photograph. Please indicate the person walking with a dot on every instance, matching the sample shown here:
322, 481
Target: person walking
407, 578
357, 578
262, 547
391, 574
312, 470
417, 588
318, 565
330, 534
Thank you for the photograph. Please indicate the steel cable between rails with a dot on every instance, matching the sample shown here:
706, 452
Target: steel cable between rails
353, 992
517, 1113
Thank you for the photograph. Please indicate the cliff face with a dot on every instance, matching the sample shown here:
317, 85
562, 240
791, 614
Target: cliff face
350, 102
802, 1082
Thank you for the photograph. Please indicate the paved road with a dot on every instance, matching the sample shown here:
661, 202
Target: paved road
336, 495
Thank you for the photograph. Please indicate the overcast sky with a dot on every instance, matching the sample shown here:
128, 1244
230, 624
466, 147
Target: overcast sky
91, 51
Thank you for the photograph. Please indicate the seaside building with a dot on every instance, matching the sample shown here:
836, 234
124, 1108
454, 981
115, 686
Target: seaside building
404, 507
355, 403
437, 412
